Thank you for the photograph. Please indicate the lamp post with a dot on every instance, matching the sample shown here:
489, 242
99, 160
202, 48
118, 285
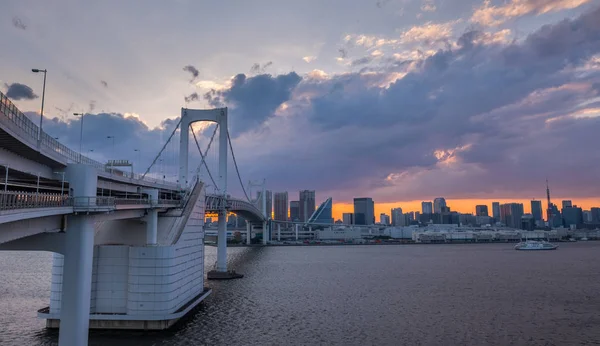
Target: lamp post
80, 133
138, 158
113, 151
37, 70
62, 184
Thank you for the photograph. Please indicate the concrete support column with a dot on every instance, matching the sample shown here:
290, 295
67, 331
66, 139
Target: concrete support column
248, 233
152, 218
78, 259
265, 233
296, 226
310, 230
278, 232
222, 242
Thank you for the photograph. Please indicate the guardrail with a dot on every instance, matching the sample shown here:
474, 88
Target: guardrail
28, 200
12, 117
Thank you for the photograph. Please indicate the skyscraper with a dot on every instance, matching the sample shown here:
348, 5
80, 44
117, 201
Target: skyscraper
323, 213
269, 195
572, 216
427, 207
348, 218
281, 206
364, 211
536, 210
511, 213
384, 219
481, 210
438, 204
595, 215
397, 215
567, 203
295, 211
496, 211
307, 204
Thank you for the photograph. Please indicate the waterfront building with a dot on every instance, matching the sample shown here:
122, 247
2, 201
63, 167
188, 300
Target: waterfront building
427, 207
527, 222
281, 206
438, 205
481, 210
364, 211
572, 217
384, 219
511, 213
295, 211
269, 203
323, 213
595, 214
307, 204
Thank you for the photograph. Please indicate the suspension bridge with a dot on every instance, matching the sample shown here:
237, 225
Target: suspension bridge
128, 246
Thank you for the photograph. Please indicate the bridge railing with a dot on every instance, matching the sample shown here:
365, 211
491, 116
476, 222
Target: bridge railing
27, 200
13, 118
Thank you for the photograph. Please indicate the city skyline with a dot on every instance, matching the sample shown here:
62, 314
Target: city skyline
298, 95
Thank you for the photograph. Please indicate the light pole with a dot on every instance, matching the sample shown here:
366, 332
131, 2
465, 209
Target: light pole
80, 133
62, 184
139, 154
37, 70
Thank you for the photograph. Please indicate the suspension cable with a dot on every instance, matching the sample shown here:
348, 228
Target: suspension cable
203, 156
163, 148
236, 166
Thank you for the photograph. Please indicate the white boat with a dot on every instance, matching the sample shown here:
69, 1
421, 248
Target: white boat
535, 245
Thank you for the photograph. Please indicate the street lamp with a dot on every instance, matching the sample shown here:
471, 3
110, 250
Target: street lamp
80, 133
138, 159
37, 70
113, 151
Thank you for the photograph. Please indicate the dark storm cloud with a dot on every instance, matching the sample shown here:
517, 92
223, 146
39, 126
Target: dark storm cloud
104, 83
253, 100
194, 71
361, 61
191, 97
18, 23
257, 68
18, 91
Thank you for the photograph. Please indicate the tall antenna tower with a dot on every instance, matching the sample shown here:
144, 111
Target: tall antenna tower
549, 210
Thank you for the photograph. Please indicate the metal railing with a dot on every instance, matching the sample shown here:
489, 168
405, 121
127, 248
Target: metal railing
12, 117
10, 200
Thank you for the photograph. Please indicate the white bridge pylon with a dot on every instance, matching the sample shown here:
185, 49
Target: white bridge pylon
219, 116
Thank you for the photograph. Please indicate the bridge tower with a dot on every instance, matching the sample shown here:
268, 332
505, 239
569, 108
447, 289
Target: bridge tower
219, 116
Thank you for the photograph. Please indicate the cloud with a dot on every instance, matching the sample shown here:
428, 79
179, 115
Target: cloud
192, 97
309, 59
18, 23
428, 33
18, 91
253, 100
490, 15
369, 41
361, 61
428, 6
92, 106
194, 71
104, 83
343, 53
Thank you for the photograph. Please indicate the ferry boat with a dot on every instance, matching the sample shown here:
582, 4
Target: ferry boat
535, 245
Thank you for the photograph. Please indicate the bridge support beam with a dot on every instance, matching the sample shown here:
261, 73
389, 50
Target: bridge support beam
248, 232
79, 250
222, 242
296, 226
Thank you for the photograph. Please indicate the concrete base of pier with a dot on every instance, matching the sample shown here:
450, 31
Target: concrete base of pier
228, 275
126, 322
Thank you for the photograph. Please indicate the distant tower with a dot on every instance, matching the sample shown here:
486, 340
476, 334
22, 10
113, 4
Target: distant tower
549, 211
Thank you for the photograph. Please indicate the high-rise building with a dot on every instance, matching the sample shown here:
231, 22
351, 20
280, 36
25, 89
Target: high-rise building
384, 219
567, 203
364, 211
269, 195
348, 218
572, 216
536, 210
307, 204
396, 215
587, 216
511, 213
481, 210
427, 207
595, 215
295, 211
438, 204
554, 216
281, 206
527, 222
496, 211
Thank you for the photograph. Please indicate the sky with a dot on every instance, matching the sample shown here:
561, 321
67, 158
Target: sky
398, 100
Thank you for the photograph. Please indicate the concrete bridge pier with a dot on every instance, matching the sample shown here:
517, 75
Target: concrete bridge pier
265, 233
296, 227
248, 233
222, 242
78, 259
152, 218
